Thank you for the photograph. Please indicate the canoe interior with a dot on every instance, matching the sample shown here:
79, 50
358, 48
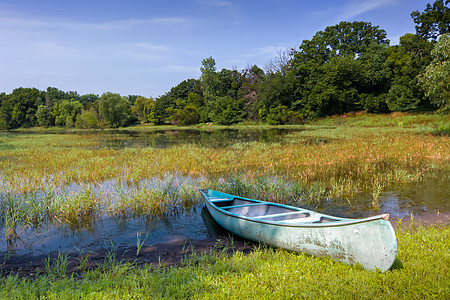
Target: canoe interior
268, 212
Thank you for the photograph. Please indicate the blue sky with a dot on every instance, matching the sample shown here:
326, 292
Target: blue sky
146, 47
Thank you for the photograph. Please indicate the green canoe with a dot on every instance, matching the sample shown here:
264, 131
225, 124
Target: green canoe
371, 242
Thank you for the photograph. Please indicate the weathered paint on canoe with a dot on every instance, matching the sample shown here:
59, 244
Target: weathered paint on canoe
371, 242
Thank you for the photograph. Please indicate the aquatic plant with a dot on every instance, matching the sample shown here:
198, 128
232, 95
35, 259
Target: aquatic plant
72, 178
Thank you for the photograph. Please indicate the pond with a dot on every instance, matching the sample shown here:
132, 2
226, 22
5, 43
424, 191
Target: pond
430, 195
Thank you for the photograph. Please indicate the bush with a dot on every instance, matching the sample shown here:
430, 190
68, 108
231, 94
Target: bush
401, 98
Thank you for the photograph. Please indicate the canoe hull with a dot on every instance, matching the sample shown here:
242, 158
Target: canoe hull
371, 243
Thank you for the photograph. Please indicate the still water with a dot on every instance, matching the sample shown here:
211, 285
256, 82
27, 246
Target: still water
428, 196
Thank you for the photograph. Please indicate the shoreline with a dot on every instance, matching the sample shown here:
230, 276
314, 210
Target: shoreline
169, 254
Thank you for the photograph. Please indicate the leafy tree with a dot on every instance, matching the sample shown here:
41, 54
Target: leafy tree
343, 39
407, 60
209, 77
433, 21
180, 91
401, 98
436, 78
281, 115
336, 69
44, 116
132, 98
19, 108
88, 99
53, 96
114, 110
277, 89
186, 113
88, 119
227, 111
251, 78
144, 109
66, 111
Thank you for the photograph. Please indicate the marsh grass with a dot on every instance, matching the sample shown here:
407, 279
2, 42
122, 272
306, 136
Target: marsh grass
69, 178
421, 272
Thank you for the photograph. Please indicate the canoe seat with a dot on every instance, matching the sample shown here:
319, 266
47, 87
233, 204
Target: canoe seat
219, 199
301, 220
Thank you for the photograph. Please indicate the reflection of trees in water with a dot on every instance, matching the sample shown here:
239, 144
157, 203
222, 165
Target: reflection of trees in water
211, 138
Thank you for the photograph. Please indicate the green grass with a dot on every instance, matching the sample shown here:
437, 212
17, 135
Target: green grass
421, 272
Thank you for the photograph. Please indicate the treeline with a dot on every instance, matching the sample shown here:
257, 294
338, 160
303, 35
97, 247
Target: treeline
346, 67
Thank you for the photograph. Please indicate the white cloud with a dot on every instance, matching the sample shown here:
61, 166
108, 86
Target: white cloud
351, 9
356, 8
217, 3
19, 23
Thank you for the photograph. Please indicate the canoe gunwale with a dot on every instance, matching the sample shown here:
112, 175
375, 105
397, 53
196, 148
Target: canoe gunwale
260, 219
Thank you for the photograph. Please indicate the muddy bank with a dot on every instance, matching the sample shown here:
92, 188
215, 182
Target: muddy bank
170, 254
424, 219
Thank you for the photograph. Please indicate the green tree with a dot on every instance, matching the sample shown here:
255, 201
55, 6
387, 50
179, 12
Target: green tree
251, 79
144, 109
337, 68
343, 39
44, 116
435, 81
180, 91
433, 21
209, 77
88, 99
407, 60
66, 111
114, 110
185, 114
88, 119
19, 109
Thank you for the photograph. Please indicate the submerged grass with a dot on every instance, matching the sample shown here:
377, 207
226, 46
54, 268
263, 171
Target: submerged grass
421, 272
69, 177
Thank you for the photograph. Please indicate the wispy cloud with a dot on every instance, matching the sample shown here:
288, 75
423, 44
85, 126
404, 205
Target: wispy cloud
217, 3
353, 8
26, 23
356, 8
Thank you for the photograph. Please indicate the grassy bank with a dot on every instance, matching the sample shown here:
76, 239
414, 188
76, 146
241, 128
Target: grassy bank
421, 272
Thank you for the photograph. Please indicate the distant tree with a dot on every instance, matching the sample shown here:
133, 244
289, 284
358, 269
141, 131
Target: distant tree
281, 115
19, 108
251, 79
180, 91
407, 60
185, 113
344, 39
66, 111
333, 72
88, 119
144, 109
435, 81
53, 96
88, 99
44, 116
132, 98
114, 110
209, 77
401, 98
433, 21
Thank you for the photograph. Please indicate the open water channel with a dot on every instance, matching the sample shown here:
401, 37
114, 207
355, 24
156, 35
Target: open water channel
430, 196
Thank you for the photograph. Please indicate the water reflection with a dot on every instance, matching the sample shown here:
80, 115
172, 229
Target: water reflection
118, 231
